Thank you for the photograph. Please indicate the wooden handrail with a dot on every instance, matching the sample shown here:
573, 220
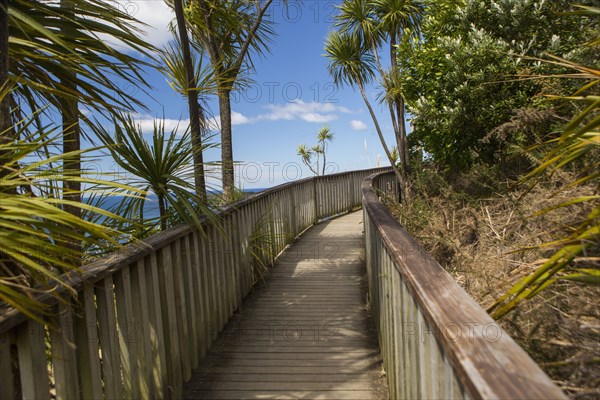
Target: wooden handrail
147, 313
436, 341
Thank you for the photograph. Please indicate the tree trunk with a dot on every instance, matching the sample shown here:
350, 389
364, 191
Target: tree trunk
226, 145
162, 211
224, 92
324, 157
402, 140
196, 115
71, 135
399, 176
5, 119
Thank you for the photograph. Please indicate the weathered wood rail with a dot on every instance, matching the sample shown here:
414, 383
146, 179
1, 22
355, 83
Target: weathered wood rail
146, 315
436, 341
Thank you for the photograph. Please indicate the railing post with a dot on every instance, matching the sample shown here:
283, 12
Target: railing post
351, 192
316, 218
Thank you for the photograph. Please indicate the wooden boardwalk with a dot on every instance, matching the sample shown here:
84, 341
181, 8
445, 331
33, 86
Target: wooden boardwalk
308, 334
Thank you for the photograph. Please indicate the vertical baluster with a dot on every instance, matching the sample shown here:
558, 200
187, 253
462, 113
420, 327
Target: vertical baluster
293, 230
397, 341
384, 306
316, 199
157, 337
33, 368
391, 326
107, 321
406, 344
230, 285
238, 263
248, 224
437, 367
199, 293
169, 313
64, 357
181, 306
7, 382
211, 282
425, 359
143, 350
272, 215
414, 348
128, 333
87, 347
191, 300
220, 282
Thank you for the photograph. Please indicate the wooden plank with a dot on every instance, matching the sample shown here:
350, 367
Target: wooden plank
236, 250
109, 339
64, 357
306, 378
192, 306
128, 333
282, 385
284, 394
211, 282
33, 368
170, 326
182, 312
199, 294
219, 280
229, 266
244, 264
205, 293
139, 296
88, 346
329, 364
282, 372
157, 338
7, 381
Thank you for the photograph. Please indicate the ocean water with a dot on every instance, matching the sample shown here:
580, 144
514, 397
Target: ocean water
151, 206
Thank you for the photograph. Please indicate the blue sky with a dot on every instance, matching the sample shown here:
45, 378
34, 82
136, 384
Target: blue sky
291, 97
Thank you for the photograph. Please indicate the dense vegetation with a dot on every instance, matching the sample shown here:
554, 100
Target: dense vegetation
504, 149
62, 86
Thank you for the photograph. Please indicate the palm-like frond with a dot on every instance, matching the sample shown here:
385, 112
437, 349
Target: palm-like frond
391, 83
305, 153
162, 166
231, 26
174, 69
579, 138
35, 228
397, 17
359, 17
350, 61
53, 50
325, 135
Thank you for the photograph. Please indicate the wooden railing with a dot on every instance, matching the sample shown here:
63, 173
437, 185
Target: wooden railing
146, 314
436, 342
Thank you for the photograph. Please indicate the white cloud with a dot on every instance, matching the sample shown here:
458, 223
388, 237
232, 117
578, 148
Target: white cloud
358, 125
309, 112
146, 122
239, 119
214, 123
155, 14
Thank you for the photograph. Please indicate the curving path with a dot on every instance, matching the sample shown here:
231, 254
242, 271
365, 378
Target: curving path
307, 334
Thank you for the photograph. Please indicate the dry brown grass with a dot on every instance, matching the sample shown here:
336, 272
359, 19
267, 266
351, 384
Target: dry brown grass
479, 241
